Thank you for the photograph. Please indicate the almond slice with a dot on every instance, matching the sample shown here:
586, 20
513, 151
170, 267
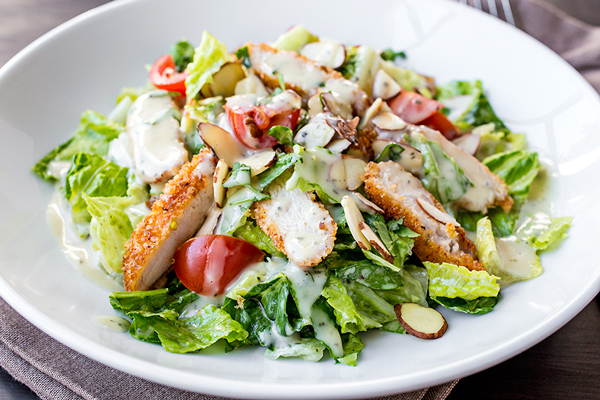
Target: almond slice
436, 214
211, 221
338, 145
221, 172
469, 143
385, 86
389, 122
371, 112
421, 322
354, 171
375, 241
328, 53
354, 218
260, 161
368, 203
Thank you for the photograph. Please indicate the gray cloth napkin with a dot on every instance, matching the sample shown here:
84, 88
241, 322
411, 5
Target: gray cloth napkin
56, 372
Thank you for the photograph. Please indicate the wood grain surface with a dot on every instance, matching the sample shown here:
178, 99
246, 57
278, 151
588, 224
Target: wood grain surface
564, 366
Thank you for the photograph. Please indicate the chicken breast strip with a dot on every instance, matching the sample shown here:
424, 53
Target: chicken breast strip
175, 217
488, 189
299, 226
304, 76
401, 195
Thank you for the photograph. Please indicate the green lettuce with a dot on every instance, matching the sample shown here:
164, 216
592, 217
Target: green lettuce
94, 133
407, 78
449, 280
517, 168
542, 231
96, 177
495, 264
294, 39
443, 177
252, 233
209, 57
475, 110
155, 316
183, 54
494, 142
478, 306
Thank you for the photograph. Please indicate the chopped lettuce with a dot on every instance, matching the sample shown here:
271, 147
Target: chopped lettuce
96, 177
443, 177
294, 39
517, 168
449, 280
469, 105
253, 234
183, 54
494, 142
209, 56
542, 231
92, 137
407, 78
478, 306
283, 134
495, 262
344, 309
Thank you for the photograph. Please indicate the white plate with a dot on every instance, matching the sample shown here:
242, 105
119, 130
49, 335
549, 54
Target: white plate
85, 62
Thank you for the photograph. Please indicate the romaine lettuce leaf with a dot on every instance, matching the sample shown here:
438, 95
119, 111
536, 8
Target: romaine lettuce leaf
495, 262
478, 306
542, 231
449, 280
443, 177
209, 56
252, 233
92, 137
477, 110
352, 348
183, 54
96, 177
346, 314
294, 39
517, 168
494, 142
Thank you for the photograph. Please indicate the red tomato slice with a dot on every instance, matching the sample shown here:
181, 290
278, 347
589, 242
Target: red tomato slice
237, 120
208, 264
413, 107
440, 122
164, 76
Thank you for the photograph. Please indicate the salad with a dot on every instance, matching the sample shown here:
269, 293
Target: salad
294, 195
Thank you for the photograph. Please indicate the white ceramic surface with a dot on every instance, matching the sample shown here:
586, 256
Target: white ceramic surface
84, 63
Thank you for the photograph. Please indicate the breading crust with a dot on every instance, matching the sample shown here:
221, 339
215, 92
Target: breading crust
173, 219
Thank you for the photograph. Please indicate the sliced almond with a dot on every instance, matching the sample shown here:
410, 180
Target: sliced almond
389, 121
368, 203
316, 133
335, 106
220, 175
224, 81
337, 146
330, 54
371, 112
421, 322
384, 86
375, 241
435, 213
347, 129
251, 85
469, 143
337, 174
211, 221
260, 162
315, 106
354, 170
224, 145
354, 217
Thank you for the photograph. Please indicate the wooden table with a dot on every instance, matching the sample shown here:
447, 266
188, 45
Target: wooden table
564, 366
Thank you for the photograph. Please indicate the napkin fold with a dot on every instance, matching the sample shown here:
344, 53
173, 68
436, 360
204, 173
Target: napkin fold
55, 372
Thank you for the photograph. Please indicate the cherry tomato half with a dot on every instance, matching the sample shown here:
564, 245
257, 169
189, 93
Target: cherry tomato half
164, 75
413, 107
208, 264
440, 122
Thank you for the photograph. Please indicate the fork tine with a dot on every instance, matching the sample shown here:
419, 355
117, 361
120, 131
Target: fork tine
477, 4
508, 15
463, 2
492, 8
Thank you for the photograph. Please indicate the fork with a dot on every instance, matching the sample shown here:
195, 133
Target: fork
493, 8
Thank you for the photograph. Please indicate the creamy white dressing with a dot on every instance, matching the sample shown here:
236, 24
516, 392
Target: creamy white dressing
113, 323
118, 151
326, 331
285, 101
294, 69
307, 286
79, 252
59, 169
251, 85
156, 143
317, 133
518, 258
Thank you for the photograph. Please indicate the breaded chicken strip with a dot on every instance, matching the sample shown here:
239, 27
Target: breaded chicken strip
399, 194
488, 189
304, 76
299, 226
175, 217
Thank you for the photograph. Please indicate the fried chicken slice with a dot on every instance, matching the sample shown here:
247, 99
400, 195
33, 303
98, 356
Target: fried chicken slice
399, 193
304, 76
174, 218
299, 226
